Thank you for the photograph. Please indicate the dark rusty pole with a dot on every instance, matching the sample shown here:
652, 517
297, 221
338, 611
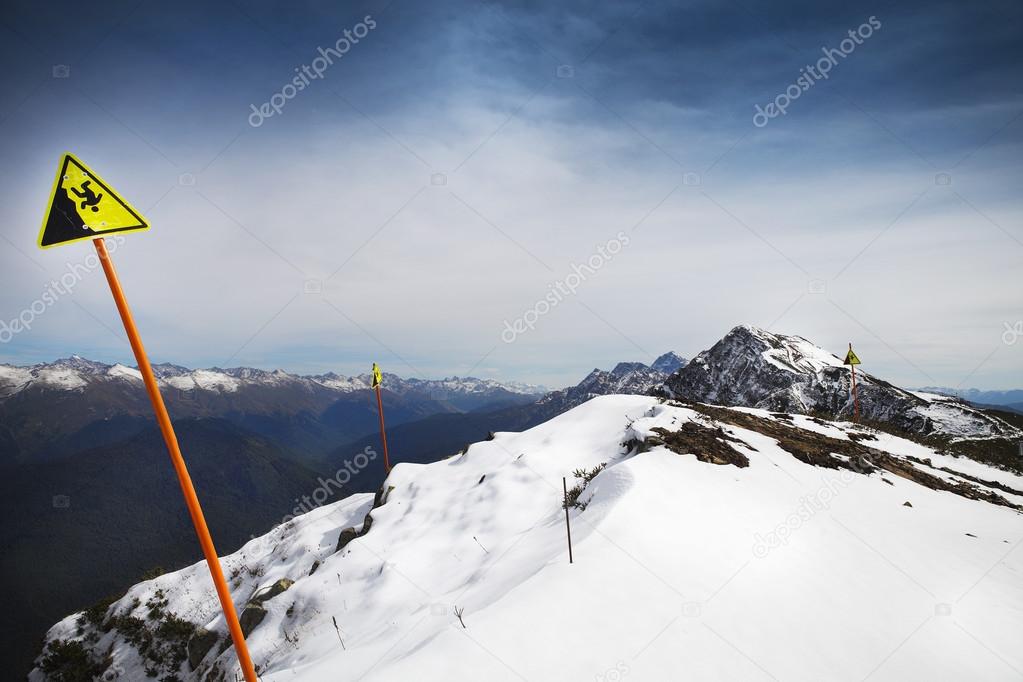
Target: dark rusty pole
568, 526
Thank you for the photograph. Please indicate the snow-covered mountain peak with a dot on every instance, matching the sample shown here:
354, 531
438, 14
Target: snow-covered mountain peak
751, 367
792, 353
76, 363
122, 371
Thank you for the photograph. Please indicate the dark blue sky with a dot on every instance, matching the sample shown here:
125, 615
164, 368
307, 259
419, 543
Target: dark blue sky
461, 158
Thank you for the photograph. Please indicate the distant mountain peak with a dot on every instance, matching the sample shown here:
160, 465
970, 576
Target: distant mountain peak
669, 363
751, 367
623, 368
635, 378
77, 362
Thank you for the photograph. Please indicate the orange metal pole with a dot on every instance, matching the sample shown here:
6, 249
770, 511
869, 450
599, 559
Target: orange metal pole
167, 429
383, 432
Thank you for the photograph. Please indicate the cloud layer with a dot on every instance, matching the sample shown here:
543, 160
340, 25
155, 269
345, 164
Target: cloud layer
461, 159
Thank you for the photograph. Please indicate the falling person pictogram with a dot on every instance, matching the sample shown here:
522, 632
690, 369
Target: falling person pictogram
88, 196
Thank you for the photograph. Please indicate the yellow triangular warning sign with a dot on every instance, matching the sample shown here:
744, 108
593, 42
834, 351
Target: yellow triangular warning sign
850, 357
82, 206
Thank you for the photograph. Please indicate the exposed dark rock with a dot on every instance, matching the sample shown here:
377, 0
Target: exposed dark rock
860, 437
251, 617
708, 444
199, 644
820, 450
346, 536
349, 534
268, 593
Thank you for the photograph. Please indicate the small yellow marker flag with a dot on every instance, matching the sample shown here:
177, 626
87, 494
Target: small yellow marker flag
83, 206
850, 358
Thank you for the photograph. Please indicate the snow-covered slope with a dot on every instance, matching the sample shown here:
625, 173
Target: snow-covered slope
754, 368
820, 551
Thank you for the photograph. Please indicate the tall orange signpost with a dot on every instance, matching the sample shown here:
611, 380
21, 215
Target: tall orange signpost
378, 379
82, 206
852, 361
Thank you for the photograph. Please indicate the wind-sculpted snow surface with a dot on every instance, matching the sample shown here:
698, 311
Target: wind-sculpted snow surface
684, 569
751, 367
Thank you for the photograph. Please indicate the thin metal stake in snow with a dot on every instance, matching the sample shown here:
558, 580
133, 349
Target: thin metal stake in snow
480, 544
568, 526
338, 632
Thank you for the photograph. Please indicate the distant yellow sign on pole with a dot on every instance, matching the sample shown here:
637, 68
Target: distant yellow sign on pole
378, 379
83, 206
852, 361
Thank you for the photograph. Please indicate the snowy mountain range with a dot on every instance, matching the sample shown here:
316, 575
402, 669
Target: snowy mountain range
1007, 400
975, 395
100, 403
709, 543
75, 373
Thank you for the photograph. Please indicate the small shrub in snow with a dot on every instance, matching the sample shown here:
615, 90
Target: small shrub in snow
572, 499
70, 661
